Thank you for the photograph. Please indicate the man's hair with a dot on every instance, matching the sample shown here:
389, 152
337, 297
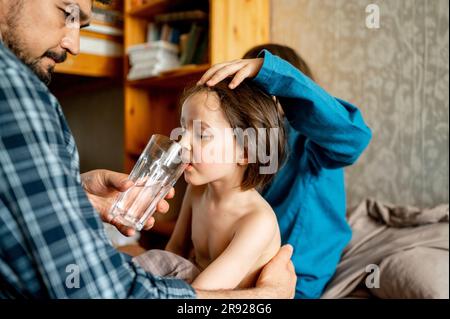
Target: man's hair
105, 1
284, 52
248, 106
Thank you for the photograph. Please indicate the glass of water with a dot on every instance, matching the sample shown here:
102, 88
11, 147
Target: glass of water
155, 173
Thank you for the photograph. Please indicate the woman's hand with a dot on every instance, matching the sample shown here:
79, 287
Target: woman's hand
239, 69
103, 186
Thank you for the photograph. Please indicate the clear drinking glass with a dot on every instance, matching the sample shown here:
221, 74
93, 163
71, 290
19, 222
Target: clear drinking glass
155, 173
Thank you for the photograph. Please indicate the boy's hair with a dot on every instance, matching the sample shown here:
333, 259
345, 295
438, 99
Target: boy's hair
248, 106
104, 1
284, 52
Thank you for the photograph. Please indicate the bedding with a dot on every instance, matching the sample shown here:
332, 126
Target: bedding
405, 245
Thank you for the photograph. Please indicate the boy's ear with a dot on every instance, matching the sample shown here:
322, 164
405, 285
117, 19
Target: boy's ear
243, 161
243, 158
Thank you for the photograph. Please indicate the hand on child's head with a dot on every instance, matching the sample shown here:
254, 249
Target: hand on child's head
239, 70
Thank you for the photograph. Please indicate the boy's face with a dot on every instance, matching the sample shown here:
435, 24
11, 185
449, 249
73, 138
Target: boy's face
210, 139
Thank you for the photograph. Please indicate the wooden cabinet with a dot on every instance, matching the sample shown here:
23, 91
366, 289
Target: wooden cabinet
101, 45
152, 105
91, 65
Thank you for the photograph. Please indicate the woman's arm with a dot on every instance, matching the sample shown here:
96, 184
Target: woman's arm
335, 130
180, 241
252, 237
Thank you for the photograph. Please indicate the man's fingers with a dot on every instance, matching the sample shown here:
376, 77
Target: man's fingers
291, 266
285, 254
128, 231
162, 207
125, 230
150, 223
125, 185
171, 194
116, 180
102, 206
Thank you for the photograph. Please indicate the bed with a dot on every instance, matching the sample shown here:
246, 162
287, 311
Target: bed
395, 252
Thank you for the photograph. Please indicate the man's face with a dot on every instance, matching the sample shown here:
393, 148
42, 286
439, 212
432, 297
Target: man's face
41, 32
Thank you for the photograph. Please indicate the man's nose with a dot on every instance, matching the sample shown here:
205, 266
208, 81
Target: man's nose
71, 41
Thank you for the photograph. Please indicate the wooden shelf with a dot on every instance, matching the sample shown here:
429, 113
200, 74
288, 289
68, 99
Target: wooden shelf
150, 9
152, 104
91, 65
173, 78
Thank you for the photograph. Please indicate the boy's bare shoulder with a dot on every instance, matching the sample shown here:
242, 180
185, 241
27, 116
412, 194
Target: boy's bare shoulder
260, 214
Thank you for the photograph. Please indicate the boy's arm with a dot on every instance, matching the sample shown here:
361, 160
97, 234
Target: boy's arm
276, 280
253, 235
180, 241
335, 129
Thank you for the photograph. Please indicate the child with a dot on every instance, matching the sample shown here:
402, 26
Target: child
324, 135
231, 229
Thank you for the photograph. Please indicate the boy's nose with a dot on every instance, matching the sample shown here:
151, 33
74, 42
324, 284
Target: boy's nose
187, 149
186, 142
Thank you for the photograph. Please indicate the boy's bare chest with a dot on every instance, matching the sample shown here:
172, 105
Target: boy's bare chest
212, 231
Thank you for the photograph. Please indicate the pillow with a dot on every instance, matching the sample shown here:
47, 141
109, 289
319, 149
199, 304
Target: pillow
418, 273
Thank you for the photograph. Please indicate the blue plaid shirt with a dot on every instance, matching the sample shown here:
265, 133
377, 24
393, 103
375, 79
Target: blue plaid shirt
52, 241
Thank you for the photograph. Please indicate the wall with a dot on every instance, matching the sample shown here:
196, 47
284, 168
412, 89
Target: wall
399, 77
95, 117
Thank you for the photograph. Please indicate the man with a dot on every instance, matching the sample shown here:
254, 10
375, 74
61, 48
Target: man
52, 241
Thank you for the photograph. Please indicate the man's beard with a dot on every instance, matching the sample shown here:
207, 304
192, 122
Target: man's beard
45, 75
11, 38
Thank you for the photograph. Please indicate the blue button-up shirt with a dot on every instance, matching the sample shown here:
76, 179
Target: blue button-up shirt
325, 134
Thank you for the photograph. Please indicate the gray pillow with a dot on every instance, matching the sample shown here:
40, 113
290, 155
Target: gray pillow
418, 273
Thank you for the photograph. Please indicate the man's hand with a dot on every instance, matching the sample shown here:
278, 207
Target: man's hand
276, 281
278, 278
239, 69
102, 188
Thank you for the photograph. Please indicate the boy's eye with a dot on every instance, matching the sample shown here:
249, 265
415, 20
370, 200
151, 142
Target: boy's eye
204, 136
